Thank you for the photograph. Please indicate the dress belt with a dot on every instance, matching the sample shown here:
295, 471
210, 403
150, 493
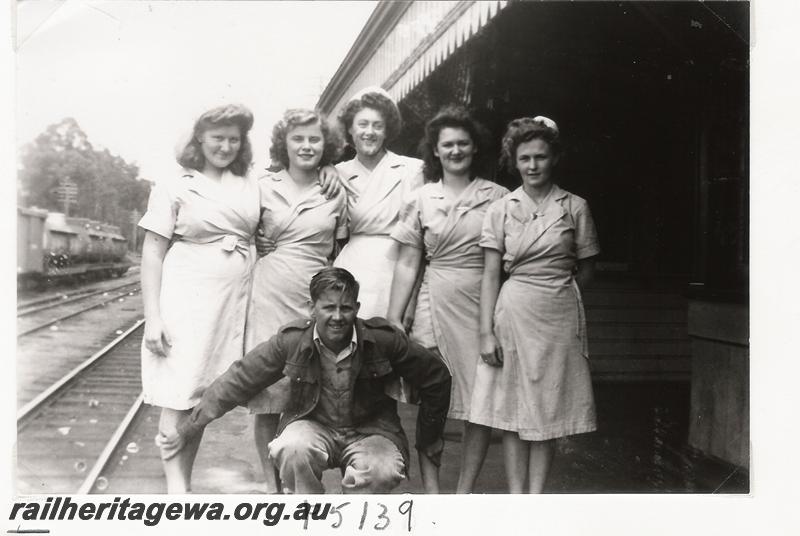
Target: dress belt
228, 243
450, 265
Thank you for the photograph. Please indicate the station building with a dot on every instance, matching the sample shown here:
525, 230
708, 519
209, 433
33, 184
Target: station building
652, 99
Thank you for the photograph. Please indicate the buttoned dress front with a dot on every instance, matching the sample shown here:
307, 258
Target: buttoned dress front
543, 390
304, 231
448, 306
205, 282
370, 254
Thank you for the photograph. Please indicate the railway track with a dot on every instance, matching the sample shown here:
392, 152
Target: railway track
43, 303
68, 433
49, 315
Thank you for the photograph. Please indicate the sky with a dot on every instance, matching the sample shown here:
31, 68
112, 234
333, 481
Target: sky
136, 74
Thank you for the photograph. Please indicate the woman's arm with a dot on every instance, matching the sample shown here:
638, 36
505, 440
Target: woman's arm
331, 182
264, 246
585, 272
154, 249
411, 308
490, 351
405, 274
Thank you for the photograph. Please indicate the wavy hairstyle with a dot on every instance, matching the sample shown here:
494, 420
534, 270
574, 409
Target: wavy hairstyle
453, 117
295, 117
333, 278
378, 102
525, 129
191, 155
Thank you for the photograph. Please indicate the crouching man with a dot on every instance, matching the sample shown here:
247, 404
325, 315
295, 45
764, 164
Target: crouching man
338, 414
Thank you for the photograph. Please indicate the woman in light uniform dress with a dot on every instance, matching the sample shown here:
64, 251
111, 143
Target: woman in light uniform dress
534, 381
442, 223
378, 180
302, 226
196, 273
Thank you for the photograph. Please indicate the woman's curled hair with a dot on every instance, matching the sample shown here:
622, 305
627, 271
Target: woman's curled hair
191, 155
378, 102
296, 117
453, 117
523, 130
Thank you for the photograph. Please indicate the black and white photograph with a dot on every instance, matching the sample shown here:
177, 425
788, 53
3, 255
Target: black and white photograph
288, 251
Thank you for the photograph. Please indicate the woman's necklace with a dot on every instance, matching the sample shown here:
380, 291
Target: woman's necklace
541, 203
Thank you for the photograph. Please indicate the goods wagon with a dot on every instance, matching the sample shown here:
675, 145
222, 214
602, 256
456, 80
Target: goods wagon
51, 245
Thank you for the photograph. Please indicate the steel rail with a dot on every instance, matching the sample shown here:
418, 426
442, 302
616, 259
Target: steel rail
50, 299
68, 316
102, 460
55, 301
45, 395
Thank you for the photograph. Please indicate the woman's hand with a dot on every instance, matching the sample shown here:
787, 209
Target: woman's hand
264, 246
491, 353
329, 181
396, 322
408, 318
156, 338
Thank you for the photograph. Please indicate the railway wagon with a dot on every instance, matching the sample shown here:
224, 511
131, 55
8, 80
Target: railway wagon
30, 230
51, 245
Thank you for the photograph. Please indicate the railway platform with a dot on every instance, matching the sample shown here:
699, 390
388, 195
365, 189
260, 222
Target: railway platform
93, 434
637, 449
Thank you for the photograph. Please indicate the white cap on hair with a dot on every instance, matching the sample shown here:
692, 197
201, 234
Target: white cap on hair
372, 89
546, 121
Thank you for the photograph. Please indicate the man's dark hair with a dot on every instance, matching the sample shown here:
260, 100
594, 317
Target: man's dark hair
332, 278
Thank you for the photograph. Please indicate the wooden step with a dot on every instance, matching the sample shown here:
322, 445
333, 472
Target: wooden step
639, 348
641, 367
626, 331
637, 334
628, 299
636, 315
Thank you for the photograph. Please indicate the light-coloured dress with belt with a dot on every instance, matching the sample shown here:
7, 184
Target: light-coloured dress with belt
448, 307
370, 253
304, 230
205, 281
543, 390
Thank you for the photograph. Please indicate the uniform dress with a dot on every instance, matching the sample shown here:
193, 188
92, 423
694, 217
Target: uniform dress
205, 281
370, 253
543, 390
448, 306
304, 231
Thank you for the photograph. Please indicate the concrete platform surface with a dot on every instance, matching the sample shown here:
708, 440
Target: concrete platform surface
640, 447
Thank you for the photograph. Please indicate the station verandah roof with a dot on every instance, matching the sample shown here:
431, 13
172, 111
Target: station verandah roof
402, 43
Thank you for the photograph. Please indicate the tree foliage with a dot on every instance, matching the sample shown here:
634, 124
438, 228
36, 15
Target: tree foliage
108, 186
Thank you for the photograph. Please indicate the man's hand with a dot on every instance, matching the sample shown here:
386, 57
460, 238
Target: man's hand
170, 445
429, 461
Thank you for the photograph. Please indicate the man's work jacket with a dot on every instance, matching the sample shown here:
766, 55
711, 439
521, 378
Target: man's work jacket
383, 353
